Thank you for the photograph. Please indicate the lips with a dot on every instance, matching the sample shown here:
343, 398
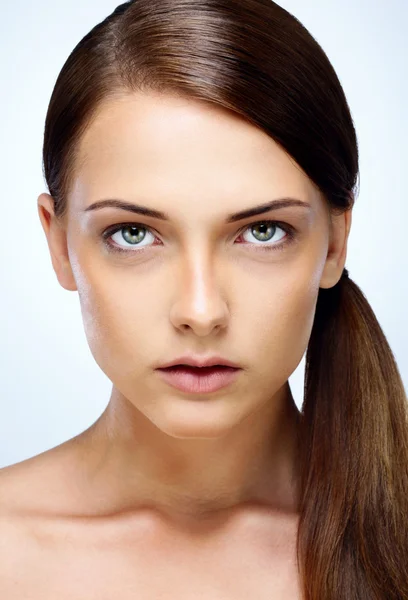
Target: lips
199, 380
198, 369
199, 361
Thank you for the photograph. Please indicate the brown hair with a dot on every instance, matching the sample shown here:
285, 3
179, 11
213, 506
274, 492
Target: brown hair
256, 59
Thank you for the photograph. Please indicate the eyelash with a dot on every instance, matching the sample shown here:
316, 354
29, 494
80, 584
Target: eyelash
289, 230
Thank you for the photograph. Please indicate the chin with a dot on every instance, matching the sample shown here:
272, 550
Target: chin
204, 418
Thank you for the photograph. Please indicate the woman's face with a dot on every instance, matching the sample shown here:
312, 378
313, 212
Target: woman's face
196, 282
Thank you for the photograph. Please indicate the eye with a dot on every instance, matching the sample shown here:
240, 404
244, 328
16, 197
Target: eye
132, 233
264, 231
135, 234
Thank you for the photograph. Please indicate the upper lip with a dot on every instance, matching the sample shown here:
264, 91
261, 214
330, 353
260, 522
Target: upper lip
193, 361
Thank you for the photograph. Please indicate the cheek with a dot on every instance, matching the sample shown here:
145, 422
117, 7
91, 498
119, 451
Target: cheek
280, 323
124, 320
115, 320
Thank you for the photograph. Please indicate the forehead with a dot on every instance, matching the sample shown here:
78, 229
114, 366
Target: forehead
168, 147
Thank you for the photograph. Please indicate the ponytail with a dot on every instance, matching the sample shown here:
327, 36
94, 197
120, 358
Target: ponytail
353, 528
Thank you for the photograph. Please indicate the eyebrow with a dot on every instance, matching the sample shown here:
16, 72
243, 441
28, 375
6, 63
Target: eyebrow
231, 218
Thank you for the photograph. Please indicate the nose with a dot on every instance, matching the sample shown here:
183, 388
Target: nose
199, 304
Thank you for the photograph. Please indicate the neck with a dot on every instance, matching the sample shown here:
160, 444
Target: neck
136, 464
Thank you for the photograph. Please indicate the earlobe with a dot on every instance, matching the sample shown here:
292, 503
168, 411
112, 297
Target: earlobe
340, 226
57, 242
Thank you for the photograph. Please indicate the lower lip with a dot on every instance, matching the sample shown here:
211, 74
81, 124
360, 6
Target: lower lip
199, 380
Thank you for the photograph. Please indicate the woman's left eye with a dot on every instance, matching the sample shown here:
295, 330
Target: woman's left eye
135, 234
265, 231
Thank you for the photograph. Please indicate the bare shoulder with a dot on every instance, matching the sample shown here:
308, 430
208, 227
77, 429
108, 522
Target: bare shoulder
33, 484
24, 488
33, 495
15, 532
31, 491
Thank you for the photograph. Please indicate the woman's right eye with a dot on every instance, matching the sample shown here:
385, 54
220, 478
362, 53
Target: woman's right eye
132, 234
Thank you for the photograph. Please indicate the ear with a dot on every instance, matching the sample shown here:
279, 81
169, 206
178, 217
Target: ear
337, 251
57, 242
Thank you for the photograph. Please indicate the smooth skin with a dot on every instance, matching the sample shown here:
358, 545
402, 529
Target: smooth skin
170, 494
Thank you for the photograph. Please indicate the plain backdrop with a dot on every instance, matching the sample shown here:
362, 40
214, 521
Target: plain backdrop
52, 388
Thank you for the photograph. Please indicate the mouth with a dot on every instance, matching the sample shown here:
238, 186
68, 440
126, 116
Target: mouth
199, 370
200, 380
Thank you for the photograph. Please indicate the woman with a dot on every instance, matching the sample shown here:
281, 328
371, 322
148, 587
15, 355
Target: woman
202, 166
